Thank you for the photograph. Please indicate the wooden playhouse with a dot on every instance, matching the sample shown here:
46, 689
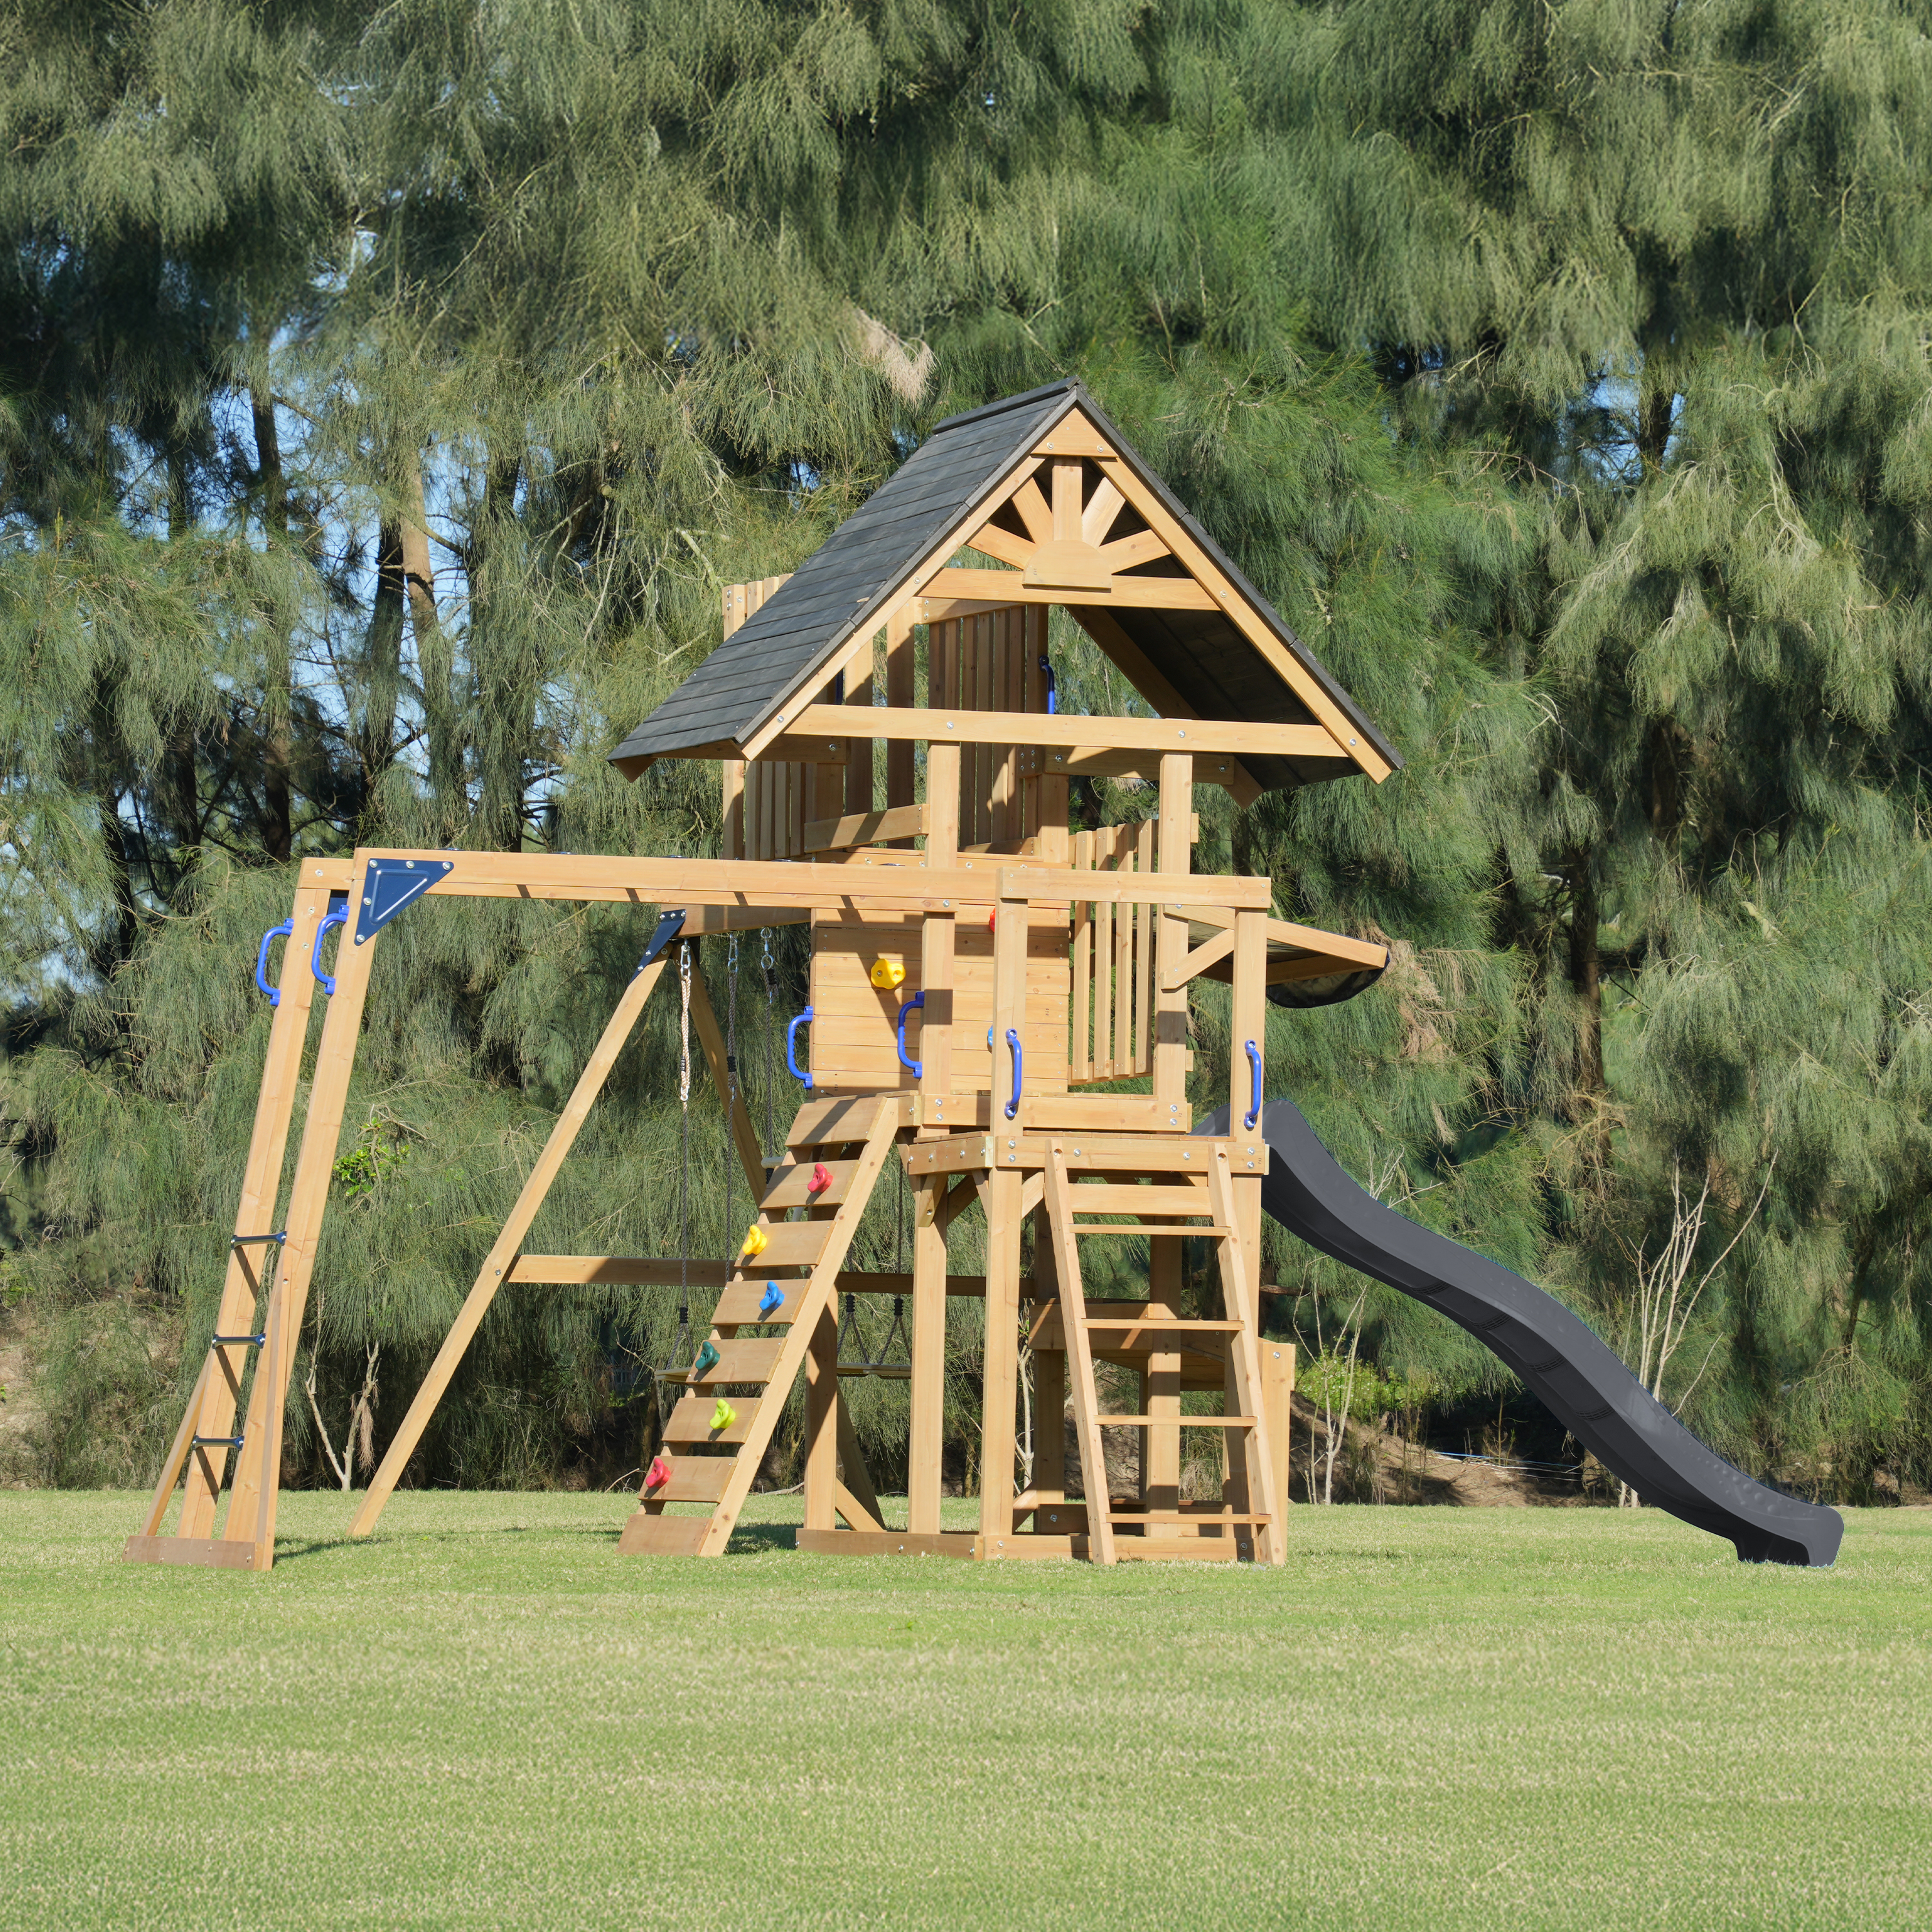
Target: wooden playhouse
982, 978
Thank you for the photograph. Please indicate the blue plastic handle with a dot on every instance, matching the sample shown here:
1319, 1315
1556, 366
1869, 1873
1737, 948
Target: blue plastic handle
791, 1049
1052, 692
327, 980
1254, 1112
916, 1068
285, 930
1013, 1044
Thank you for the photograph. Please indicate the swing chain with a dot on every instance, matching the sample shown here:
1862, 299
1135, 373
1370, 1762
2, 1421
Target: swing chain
765, 965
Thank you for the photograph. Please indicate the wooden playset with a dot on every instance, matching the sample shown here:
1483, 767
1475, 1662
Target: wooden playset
982, 978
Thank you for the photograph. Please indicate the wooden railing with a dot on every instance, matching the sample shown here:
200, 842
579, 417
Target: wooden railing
1111, 1005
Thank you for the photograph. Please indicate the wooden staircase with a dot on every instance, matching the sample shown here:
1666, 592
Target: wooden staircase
715, 1464
1251, 1516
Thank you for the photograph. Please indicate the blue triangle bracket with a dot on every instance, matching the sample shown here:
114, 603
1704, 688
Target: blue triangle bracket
390, 884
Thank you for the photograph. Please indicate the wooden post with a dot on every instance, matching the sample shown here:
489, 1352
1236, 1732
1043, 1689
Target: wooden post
1277, 1389
1248, 1017
315, 1168
503, 1251
901, 767
211, 1410
1003, 1222
1175, 858
936, 940
859, 760
927, 1389
821, 1407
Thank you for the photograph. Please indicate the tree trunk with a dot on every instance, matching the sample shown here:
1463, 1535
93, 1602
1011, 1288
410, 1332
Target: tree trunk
436, 665
506, 674
277, 832
116, 945
1653, 433
1585, 980
1669, 753
382, 655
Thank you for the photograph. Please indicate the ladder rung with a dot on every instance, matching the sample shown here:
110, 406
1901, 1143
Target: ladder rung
280, 1235
1146, 1228
211, 1442
1165, 1327
1087, 1198
1185, 1421
235, 1341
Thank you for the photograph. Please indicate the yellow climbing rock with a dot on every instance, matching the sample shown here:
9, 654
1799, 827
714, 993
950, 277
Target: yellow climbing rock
887, 973
756, 1241
723, 1416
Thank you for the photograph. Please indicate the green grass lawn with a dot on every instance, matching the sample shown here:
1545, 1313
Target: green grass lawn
1431, 1718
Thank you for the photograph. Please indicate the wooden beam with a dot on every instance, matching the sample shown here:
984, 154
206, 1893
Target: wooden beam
1124, 553
1102, 507
865, 828
1197, 961
992, 540
1136, 593
1070, 730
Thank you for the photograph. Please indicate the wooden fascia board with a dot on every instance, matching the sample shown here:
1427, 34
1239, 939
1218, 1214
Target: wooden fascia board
827, 724
1138, 669
1126, 593
1348, 742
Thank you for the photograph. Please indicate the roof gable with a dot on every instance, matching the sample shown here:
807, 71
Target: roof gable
1115, 548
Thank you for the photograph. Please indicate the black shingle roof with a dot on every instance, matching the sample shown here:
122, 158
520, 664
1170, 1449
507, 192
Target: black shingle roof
853, 579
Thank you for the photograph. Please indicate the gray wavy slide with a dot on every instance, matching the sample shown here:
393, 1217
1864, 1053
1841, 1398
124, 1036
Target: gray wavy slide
1578, 1377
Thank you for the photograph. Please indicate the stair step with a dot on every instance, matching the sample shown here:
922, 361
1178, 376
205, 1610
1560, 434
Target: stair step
690, 1421
1090, 1198
1179, 1548
738, 1303
1161, 1326
843, 1116
791, 1187
791, 1244
694, 1479
751, 1361
664, 1535
1132, 1515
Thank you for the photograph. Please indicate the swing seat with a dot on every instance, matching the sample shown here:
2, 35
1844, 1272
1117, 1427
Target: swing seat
772, 1300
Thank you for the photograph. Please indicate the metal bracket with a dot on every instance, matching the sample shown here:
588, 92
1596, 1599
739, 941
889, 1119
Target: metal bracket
670, 924
389, 884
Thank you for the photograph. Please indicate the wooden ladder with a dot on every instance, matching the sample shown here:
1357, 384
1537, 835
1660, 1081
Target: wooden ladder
1170, 1212
717, 1464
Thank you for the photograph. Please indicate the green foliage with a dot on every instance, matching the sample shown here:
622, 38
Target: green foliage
387, 393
